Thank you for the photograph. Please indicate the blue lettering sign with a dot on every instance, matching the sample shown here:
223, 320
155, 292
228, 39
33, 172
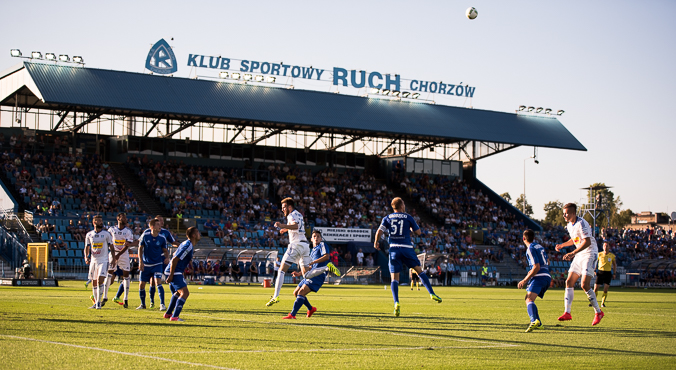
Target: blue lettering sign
414, 85
225, 63
213, 62
192, 60
362, 80
389, 82
423, 86
339, 74
375, 74
295, 71
265, 67
254, 66
244, 66
308, 72
275, 69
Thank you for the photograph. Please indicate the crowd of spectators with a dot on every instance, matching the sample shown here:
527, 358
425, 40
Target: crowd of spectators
49, 182
455, 204
184, 188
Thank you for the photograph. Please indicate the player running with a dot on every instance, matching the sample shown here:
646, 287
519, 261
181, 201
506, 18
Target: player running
157, 285
152, 251
174, 272
298, 250
98, 244
123, 238
584, 261
320, 261
537, 279
399, 225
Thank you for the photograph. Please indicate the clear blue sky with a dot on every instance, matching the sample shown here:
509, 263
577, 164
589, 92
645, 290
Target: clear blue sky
608, 64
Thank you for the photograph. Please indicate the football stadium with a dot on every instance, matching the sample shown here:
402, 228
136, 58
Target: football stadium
240, 222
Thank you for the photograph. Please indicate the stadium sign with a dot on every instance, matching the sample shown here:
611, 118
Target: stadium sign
161, 59
331, 234
337, 76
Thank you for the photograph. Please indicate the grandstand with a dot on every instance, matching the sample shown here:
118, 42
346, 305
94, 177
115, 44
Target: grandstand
81, 141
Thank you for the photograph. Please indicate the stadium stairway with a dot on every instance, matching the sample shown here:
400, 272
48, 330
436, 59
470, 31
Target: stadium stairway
145, 200
508, 266
410, 203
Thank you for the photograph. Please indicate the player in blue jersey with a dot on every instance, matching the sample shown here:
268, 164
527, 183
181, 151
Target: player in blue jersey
399, 225
174, 272
537, 279
320, 261
152, 252
157, 285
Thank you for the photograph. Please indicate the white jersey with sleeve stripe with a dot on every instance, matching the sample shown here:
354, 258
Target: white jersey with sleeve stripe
120, 237
578, 231
99, 243
296, 236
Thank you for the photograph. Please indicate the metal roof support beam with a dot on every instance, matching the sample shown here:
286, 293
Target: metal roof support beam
316, 140
155, 123
184, 125
63, 117
419, 149
355, 138
460, 148
270, 134
90, 118
388, 147
237, 134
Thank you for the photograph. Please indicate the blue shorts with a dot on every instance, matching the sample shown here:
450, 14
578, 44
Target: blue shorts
315, 283
178, 282
399, 255
152, 271
539, 285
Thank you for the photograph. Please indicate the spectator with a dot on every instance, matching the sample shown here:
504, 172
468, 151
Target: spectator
253, 271
360, 258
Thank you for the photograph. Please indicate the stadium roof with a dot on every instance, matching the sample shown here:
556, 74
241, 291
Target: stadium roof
98, 91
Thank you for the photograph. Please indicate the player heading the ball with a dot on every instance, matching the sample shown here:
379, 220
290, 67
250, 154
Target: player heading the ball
399, 225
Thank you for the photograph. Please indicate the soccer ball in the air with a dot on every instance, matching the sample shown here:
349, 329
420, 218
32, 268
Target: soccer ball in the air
471, 13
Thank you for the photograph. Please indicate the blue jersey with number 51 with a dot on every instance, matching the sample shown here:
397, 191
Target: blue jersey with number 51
399, 225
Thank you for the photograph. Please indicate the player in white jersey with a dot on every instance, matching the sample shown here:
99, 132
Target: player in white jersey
298, 250
98, 244
584, 261
123, 238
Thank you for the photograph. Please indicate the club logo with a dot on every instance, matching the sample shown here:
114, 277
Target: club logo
161, 59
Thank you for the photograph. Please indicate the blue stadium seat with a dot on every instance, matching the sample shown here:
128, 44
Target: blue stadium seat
78, 253
71, 253
56, 253
69, 262
44, 237
80, 245
73, 245
61, 261
68, 237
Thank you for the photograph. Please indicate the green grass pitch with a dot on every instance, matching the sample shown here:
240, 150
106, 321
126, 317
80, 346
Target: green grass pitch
230, 327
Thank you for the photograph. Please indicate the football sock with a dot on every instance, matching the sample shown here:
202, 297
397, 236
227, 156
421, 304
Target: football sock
100, 290
120, 290
307, 304
278, 283
160, 289
412, 284
395, 290
297, 305
426, 282
532, 311
179, 306
603, 297
142, 295
109, 280
593, 301
152, 294
172, 304
568, 298
126, 282
95, 293
417, 285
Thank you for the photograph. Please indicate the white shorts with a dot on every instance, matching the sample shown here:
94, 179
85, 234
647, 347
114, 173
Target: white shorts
298, 253
122, 262
584, 264
97, 269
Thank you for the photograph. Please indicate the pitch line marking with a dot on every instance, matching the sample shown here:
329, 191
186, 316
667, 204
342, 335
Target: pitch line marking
334, 349
363, 331
116, 352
